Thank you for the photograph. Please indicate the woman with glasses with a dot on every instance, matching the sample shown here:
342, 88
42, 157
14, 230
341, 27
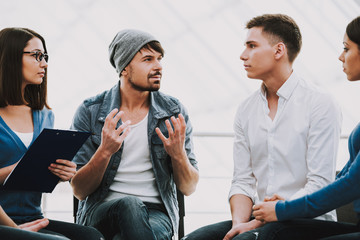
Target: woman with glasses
24, 112
294, 214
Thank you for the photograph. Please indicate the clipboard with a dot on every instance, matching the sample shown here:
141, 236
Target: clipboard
32, 173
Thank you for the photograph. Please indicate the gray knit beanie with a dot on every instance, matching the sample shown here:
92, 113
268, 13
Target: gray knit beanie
125, 45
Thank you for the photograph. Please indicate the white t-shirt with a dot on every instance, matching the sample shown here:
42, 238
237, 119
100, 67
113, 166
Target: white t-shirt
135, 175
26, 138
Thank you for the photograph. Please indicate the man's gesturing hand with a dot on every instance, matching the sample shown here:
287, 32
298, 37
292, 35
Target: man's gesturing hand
174, 144
112, 137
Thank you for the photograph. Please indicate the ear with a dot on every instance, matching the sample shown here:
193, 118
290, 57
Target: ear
124, 72
280, 50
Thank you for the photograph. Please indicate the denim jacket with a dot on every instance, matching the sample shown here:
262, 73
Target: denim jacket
90, 116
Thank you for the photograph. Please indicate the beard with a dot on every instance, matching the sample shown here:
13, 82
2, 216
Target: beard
149, 88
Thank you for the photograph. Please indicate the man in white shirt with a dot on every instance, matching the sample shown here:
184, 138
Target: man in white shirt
286, 133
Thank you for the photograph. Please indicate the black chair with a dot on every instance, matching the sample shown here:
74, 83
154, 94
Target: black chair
181, 202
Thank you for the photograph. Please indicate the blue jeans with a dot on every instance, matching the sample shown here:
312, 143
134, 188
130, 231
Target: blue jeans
10, 233
130, 218
72, 231
216, 231
67, 230
299, 229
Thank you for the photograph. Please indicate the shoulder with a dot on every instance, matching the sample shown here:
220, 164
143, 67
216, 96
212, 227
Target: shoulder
165, 97
94, 100
44, 118
46, 114
314, 91
165, 103
316, 96
92, 104
248, 104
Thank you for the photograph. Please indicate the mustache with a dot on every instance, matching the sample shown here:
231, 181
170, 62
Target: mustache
155, 74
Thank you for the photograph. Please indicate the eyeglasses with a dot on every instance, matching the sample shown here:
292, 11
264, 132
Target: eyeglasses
39, 56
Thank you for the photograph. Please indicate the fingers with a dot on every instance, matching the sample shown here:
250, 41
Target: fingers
179, 124
278, 197
112, 136
182, 122
256, 207
113, 118
67, 163
110, 118
122, 127
274, 197
161, 136
230, 235
35, 225
267, 199
64, 169
258, 213
175, 130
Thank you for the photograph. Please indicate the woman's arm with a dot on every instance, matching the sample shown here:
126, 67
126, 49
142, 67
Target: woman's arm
34, 226
5, 171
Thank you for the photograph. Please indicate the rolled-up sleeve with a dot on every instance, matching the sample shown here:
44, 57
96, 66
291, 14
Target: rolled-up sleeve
243, 181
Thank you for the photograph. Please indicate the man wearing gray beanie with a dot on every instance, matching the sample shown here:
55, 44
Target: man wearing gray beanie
141, 149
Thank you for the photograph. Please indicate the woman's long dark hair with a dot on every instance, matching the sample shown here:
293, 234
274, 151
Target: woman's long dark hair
353, 31
12, 44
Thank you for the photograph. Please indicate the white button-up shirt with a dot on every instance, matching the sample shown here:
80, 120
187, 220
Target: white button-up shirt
292, 155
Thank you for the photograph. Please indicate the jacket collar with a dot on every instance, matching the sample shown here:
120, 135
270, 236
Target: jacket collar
161, 105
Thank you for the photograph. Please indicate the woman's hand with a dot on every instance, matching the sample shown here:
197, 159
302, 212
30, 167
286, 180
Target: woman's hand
274, 197
64, 169
265, 211
34, 226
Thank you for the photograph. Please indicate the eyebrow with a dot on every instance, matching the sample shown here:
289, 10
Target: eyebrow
148, 56
35, 50
249, 42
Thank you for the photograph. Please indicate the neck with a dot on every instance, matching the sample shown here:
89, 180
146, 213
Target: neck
132, 99
16, 108
274, 82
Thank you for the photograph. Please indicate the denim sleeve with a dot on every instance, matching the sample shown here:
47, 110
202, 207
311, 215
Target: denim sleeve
189, 146
82, 122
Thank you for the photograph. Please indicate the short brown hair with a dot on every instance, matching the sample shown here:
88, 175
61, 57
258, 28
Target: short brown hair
12, 44
280, 27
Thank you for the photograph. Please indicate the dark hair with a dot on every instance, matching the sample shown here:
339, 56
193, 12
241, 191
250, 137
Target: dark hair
154, 46
353, 31
282, 28
12, 44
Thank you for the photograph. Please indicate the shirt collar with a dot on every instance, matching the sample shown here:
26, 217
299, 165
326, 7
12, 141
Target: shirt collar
286, 89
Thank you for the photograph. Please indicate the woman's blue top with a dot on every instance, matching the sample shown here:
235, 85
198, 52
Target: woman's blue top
21, 206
